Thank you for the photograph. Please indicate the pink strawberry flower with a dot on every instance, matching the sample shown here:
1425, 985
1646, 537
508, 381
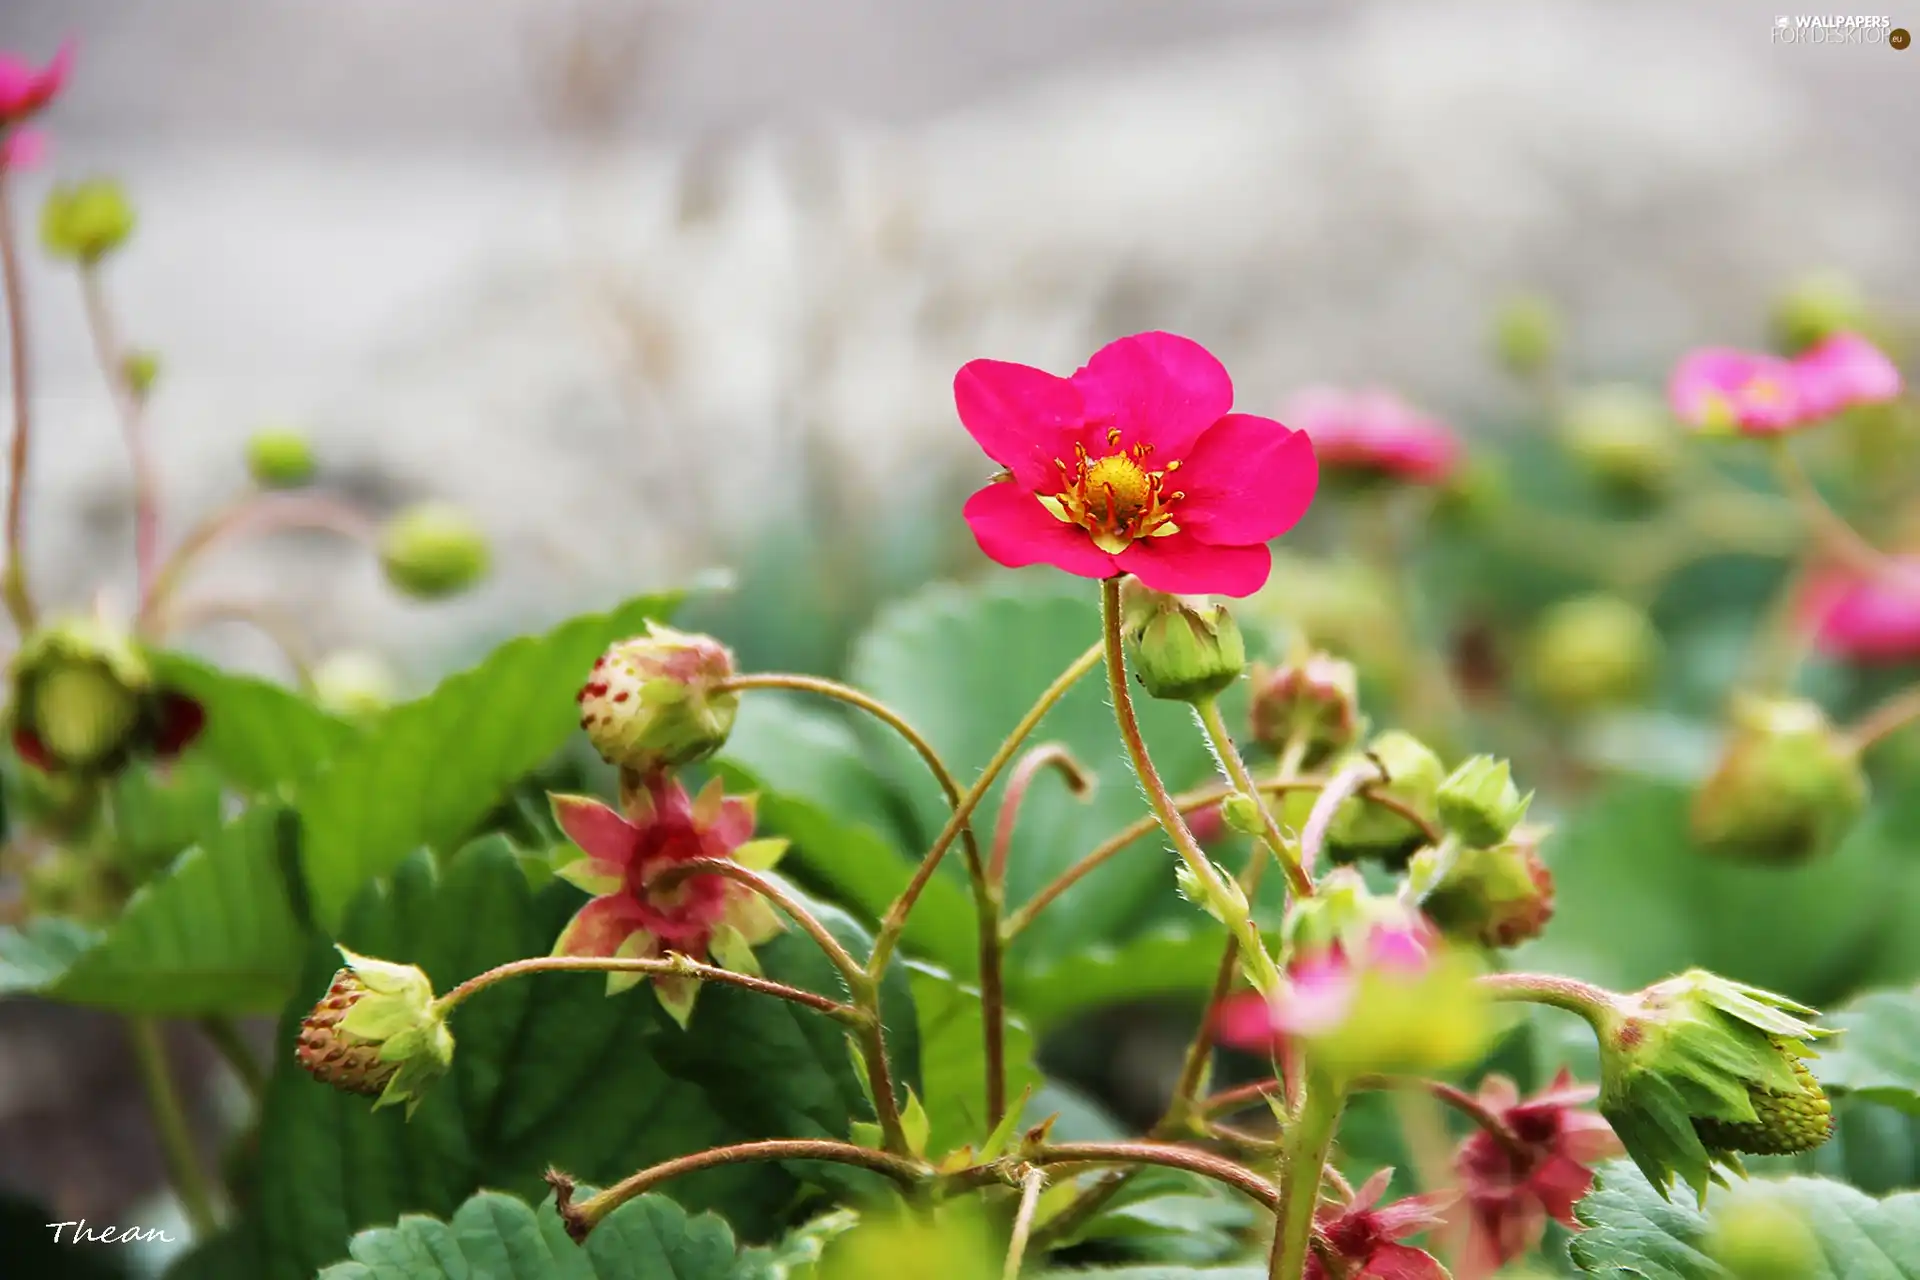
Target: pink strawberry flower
1135, 464
1539, 1170
1319, 991
1843, 371
1867, 618
1724, 390
632, 915
1357, 1241
1374, 434
25, 89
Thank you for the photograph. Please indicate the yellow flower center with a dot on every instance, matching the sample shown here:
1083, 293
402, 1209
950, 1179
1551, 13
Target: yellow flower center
1115, 498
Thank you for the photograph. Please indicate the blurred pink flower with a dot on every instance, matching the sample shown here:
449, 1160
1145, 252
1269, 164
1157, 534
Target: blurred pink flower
1366, 1240
1319, 991
1722, 389
1843, 371
1867, 618
25, 89
1133, 465
22, 148
1513, 1187
1374, 433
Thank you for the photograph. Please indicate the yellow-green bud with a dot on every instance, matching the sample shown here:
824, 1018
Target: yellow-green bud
85, 221
1479, 803
433, 550
1816, 307
1788, 787
80, 696
377, 1031
1243, 813
353, 683
1496, 897
1757, 1234
1591, 653
141, 369
653, 702
1184, 648
280, 458
1316, 701
1625, 438
1413, 777
1526, 334
1475, 494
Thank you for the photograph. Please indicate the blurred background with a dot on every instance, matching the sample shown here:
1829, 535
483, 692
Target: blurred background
654, 288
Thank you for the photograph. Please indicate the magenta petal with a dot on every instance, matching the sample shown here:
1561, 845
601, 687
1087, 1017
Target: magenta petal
1247, 479
1843, 371
600, 832
1014, 530
1721, 388
1184, 565
1245, 1021
1402, 1262
1869, 620
1023, 418
1158, 389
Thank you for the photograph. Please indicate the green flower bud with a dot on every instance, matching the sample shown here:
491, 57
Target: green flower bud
1757, 1234
1788, 787
280, 458
652, 702
85, 221
1591, 653
1698, 1068
1343, 912
82, 697
1624, 437
433, 550
1413, 776
1184, 648
1816, 307
141, 369
353, 683
1316, 700
1479, 803
1494, 897
1240, 812
1526, 334
377, 1031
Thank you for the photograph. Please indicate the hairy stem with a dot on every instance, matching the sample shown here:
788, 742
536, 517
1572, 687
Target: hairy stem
680, 966
1034, 1181
1167, 1154
1345, 785
13, 579
146, 479
582, 1218
1583, 998
1221, 740
170, 1125
1308, 1141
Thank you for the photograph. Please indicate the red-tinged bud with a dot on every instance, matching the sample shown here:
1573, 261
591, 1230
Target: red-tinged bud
1787, 789
1497, 897
654, 702
84, 700
1316, 701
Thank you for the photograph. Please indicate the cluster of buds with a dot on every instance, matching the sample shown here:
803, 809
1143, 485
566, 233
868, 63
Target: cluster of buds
1411, 774
1183, 648
1315, 702
1698, 1068
85, 701
1498, 896
377, 1031
1787, 788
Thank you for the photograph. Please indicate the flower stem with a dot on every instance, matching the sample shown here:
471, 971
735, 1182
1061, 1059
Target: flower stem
1260, 964
1891, 716
1228, 755
1031, 1185
1166, 1154
1583, 998
146, 481
189, 615
681, 966
582, 1218
1308, 1141
256, 513
13, 579
1344, 785
1836, 536
896, 918
170, 1124
1186, 802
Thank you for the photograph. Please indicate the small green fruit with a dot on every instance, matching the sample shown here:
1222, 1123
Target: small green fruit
85, 221
1183, 649
1787, 789
433, 550
280, 458
1591, 653
1526, 334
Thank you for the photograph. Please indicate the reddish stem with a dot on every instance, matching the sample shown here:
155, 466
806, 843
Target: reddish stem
13, 579
146, 479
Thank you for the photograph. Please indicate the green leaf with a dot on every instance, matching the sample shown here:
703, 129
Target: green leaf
500, 1238
1878, 1057
261, 736
216, 934
547, 1071
963, 664
953, 1062
817, 790
1173, 960
1632, 1231
434, 767
160, 811
1157, 1272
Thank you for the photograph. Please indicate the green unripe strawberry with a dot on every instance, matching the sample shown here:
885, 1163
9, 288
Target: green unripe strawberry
433, 550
